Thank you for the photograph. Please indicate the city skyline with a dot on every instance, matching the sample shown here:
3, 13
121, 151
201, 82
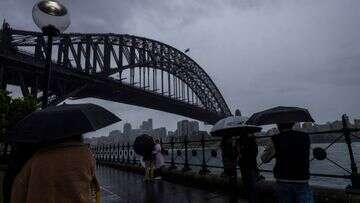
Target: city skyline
129, 132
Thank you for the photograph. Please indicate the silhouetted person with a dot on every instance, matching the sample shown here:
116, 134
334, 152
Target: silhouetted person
248, 151
229, 155
291, 149
149, 160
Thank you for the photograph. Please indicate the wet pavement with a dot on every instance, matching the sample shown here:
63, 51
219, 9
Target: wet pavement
120, 186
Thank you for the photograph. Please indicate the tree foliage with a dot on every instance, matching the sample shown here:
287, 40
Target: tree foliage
5, 101
14, 110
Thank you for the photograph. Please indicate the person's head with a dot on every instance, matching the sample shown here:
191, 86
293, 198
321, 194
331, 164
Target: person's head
285, 126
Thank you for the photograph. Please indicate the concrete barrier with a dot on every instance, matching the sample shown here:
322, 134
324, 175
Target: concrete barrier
215, 183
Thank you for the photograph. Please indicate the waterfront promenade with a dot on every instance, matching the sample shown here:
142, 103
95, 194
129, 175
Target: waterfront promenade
119, 186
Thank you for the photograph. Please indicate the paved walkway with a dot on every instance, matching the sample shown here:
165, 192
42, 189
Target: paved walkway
118, 186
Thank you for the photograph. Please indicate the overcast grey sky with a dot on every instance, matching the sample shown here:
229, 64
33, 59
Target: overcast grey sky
260, 53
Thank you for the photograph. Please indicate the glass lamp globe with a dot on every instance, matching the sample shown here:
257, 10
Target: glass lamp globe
51, 17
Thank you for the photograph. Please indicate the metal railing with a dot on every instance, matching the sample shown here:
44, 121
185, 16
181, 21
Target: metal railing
204, 155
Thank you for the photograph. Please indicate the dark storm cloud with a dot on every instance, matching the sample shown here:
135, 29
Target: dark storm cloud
260, 53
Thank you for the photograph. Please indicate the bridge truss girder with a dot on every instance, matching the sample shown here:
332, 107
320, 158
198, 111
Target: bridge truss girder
136, 64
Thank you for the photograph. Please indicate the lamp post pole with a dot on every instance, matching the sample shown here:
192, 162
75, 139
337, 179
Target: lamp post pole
47, 71
52, 18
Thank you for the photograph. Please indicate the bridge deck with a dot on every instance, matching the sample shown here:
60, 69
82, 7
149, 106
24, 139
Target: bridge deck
119, 186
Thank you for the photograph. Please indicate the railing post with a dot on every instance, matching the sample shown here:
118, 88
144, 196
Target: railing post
134, 156
172, 164
123, 153
107, 153
204, 170
97, 152
103, 152
110, 153
355, 178
114, 152
113, 157
186, 164
128, 153
100, 153
118, 153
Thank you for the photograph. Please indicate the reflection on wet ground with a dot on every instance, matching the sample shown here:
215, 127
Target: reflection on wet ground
119, 186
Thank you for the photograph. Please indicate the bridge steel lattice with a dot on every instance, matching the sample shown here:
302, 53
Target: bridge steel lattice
116, 67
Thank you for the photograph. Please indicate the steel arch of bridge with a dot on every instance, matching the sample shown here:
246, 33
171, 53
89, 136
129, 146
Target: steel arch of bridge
136, 63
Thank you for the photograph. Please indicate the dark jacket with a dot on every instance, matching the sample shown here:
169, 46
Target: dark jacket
292, 150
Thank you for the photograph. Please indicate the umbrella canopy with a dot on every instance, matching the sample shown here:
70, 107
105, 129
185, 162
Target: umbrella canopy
60, 122
233, 126
144, 145
280, 114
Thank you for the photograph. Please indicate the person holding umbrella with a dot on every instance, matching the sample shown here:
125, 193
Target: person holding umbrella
291, 149
144, 146
244, 151
247, 161
63, 168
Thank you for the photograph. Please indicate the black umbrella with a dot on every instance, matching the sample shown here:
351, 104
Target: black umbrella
144, 145
280, 114
60, 122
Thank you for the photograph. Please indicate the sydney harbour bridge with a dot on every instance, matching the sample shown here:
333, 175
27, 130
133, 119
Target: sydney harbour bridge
116, 67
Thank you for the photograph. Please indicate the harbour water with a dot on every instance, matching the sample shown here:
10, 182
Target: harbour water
338, 163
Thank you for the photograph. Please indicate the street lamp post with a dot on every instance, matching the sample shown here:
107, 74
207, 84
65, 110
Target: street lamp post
52, 18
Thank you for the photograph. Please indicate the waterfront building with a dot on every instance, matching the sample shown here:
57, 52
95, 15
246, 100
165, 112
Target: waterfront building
147, 125
307, 126
336, 125
159, 133
171, 133
183, 128
193, 128
127, 129
115, 133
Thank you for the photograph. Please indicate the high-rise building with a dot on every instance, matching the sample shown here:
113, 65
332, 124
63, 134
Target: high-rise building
171, 133
150, 124
115, 133
147, 125
127, 129
193, 128
159, 132
183, 128
307, 126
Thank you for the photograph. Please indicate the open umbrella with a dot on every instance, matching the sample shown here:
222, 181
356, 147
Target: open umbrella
144, 145
233, 126
280, 114
60, 122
